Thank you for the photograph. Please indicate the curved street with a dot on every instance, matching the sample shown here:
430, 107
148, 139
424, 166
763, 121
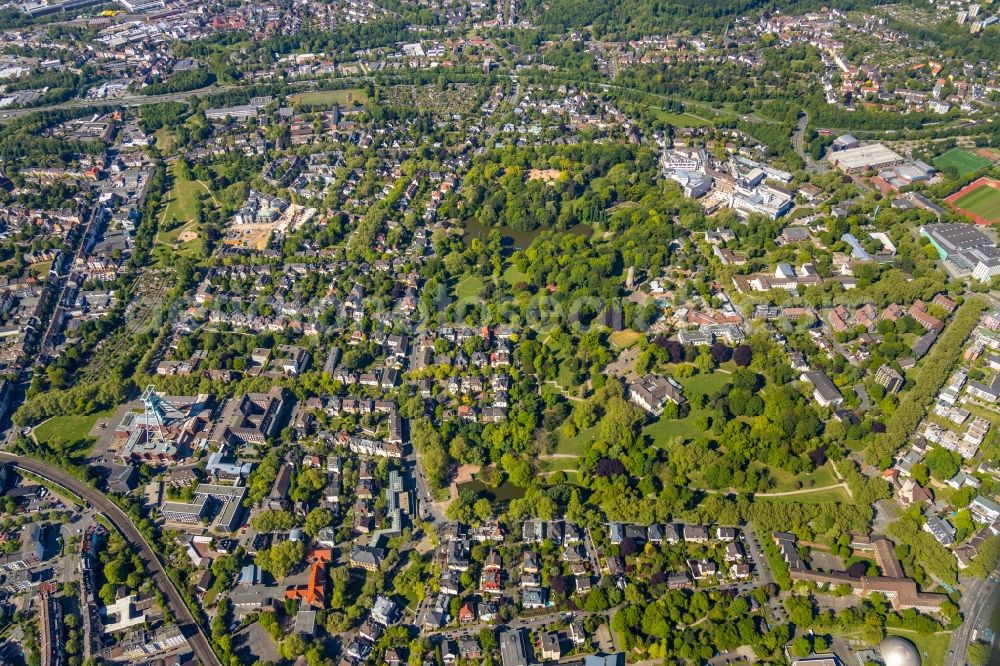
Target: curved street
798, 143
189, 627
977, 603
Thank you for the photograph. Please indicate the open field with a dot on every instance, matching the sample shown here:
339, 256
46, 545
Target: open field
577, 445
706, 383
664, 429
179, 231
164, 139
548, 175
349, 97
801, 211
469, 286
558, 464
979, 200
624, 339
572, 478
820, 477
41, 269
68, 428
816, 487
682, 119
513, 276
181, 202
963, 161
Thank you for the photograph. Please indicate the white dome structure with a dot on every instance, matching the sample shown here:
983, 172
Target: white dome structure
898, 651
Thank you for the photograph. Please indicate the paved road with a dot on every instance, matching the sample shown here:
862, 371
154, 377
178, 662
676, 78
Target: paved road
140, 100
531, 623
128, 100
55, 321
977, 604
428, 509
798, 143
190, 628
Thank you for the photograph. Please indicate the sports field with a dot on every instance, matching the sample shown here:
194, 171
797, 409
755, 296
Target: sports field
963, 161
979, 200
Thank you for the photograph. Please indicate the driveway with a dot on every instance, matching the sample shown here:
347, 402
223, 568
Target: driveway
605, 641
105, 437
862, 394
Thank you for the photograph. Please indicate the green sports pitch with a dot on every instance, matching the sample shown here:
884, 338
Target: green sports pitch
983, 201
963, 161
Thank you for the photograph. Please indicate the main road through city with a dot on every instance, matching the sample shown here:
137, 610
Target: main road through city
191, 629
977, 603
141, 100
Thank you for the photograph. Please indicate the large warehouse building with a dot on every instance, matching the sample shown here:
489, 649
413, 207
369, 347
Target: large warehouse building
965, 248
871, 157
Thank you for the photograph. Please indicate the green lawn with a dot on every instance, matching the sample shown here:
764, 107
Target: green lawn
212, 593
179, 232
573, 478
785, 481
933, 648
68, 437
513, 276
800, 212
686, 428
164, 139
707, 384
412, 602
681, 119
964, 161
558, 464
180, 204
576, 445
983, 201
68, 428
624, 339
664, 429
471, 286
349, 97
977, 410
41, 269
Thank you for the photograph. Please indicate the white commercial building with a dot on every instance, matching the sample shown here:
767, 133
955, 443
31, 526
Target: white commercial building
871, 157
